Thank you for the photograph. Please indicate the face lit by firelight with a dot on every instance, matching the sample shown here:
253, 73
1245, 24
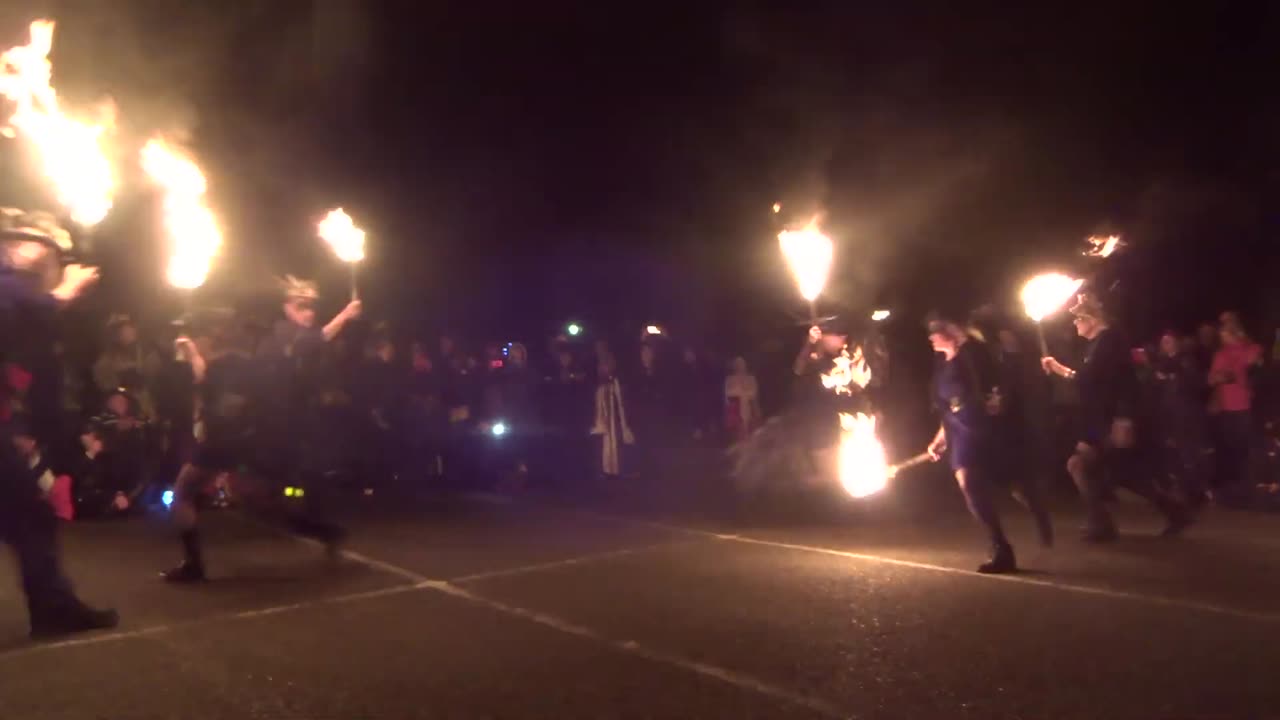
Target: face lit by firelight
300, 312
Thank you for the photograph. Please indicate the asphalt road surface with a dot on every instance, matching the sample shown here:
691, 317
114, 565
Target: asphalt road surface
483, 607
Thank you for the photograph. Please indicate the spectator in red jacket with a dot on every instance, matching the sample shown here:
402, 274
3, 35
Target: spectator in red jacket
1230, 378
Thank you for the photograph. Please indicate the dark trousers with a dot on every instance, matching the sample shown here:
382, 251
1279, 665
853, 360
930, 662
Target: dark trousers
975, 484
1235, 442
1117, 468
28, 525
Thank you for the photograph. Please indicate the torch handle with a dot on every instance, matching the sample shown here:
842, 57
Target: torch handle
910, 462
1044, 345
813, 313
355, 291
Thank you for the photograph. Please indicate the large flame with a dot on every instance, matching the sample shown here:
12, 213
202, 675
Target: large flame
809, 254
193, 231
1102, 247
863, 466
343, 236
71, 151
849, 370
1045, 294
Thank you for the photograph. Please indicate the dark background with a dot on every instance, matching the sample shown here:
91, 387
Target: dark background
519, 164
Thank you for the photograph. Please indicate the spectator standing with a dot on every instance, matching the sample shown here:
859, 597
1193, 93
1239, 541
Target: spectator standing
1231, 378
741, 401
125, 363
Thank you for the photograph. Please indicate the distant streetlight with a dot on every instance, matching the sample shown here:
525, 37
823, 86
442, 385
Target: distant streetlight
574, 329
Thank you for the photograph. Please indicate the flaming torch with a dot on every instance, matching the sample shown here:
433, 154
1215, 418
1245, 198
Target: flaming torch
1044, 295
193, 232
809, 254
1102, 247
71, 151
864, 470
346, 239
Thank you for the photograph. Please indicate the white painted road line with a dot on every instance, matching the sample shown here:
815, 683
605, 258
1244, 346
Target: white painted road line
567, 562
631, 647
1150, 599
113, 636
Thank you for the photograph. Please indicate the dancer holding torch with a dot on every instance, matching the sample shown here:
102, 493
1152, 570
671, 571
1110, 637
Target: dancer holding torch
1104, 452
303, 421
965, 393
33, 285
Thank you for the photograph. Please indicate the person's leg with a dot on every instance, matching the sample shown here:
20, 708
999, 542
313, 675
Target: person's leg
186, 490
977, 495
28, 525
1084, 467
1125, 469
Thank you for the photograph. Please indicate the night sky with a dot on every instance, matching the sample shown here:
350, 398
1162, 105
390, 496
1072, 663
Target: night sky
517, 164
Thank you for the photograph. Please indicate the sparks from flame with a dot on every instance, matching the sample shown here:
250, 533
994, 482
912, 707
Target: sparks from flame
340, 231
880, 315
863, 465
1102, 247
777, 208
849, 370
809, 253
71, 151
1045, 294
193, 231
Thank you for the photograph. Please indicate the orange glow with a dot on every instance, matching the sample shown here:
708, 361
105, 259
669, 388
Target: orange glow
71, 151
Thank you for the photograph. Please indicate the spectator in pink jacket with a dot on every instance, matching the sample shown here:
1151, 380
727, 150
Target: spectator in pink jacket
1230, 378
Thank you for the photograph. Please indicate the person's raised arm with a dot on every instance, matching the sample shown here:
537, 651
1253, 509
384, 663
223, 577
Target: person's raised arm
339, 321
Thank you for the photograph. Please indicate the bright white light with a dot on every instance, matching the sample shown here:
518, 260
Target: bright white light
574, 329
653, 330
167, 498
498, 429
880, 315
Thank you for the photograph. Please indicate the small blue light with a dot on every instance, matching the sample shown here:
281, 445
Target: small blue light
499, 429
167, 498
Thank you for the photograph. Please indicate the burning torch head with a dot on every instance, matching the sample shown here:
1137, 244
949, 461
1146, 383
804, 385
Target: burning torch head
33, 244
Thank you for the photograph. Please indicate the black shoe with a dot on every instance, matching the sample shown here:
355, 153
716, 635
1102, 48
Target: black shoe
186, 573
1002, 561
72, 620
1178, 521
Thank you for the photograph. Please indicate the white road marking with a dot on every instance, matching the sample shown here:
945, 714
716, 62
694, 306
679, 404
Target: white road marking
116, 635
567, 562
632, 647
421, 583
1150, 599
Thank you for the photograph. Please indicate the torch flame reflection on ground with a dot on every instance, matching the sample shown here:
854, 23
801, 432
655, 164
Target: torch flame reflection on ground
809, 254
340, 231
863, 465
193, 231
1045, 294
71, 150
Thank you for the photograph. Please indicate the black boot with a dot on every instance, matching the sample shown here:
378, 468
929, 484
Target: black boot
1002, 561
1178, 519
56, 622
192, 568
